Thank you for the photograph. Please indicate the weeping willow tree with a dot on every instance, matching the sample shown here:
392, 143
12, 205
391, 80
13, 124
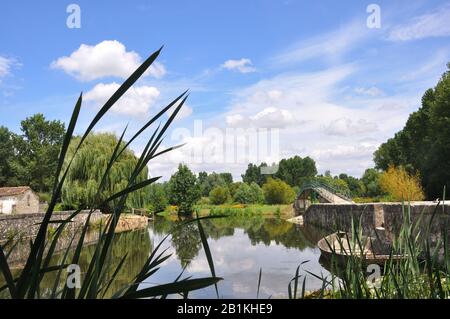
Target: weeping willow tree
88, 167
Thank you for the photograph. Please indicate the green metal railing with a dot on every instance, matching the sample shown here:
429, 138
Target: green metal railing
345, 194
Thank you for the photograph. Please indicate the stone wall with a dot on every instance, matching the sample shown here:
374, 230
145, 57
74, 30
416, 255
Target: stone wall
431, 219
27, 225
22, 228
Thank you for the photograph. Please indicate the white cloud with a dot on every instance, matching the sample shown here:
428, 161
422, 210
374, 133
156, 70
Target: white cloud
234, 119
372, 91
184, 112
136, 101
270, 117
329, 45
346, 126
433, 24
6, 64
243, 65
107, 58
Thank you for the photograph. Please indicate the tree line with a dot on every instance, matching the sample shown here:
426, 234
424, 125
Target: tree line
422, 147
412, 165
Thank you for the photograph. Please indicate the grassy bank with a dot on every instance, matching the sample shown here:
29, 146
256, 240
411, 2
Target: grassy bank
282, 211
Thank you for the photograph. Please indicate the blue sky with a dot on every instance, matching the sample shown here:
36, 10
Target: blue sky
312, 73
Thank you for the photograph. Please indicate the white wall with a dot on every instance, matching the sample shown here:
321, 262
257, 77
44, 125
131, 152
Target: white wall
6, 204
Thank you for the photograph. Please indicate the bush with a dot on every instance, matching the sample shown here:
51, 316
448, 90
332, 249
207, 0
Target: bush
400, 185
249, 194
184, 190
278, 192
219, 195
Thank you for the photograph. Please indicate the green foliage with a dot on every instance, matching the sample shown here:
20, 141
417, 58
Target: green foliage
219, 195
249, 194
278, 192
87, 168
157, 198
253, 174
355, 185
334, 182
209, 181
233, 187
31, 158
296, 170
371, 183
8, 176
422, 146
184, 190
97, 276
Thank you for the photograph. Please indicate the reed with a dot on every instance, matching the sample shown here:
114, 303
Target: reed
423, 272
97, 278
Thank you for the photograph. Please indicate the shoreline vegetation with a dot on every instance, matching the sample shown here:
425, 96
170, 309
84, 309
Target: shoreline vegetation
99, 172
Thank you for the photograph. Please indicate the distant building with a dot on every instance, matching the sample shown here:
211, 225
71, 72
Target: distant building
18, 200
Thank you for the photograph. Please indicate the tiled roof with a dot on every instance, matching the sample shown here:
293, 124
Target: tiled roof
11, 191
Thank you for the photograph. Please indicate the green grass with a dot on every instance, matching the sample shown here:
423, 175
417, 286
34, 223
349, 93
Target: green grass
284, 211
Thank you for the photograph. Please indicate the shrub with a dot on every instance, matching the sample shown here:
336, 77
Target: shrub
219, 195
400, 185
184, 190
249, 194
278, 192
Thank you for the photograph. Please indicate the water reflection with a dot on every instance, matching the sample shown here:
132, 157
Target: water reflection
240, 247
136, 245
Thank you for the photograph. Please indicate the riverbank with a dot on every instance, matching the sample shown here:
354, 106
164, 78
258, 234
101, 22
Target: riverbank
282, 211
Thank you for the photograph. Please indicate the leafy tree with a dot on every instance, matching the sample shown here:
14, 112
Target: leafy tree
233, 187
249, 194
8, 158
400, 185
219, 195
87, 168
31, 157
278, 192
227, 177
253, 174
355, 185
187, 242
422, 145
157, 197
208, 181
371, 181
295, 170
184, 190
257, 194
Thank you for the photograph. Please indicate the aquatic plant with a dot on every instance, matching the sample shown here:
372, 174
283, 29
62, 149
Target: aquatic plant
97, 278
422, 272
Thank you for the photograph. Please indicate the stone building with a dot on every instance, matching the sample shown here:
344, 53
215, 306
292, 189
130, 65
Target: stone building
18, 200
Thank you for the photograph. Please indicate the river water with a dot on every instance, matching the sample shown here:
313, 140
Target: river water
240, 247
